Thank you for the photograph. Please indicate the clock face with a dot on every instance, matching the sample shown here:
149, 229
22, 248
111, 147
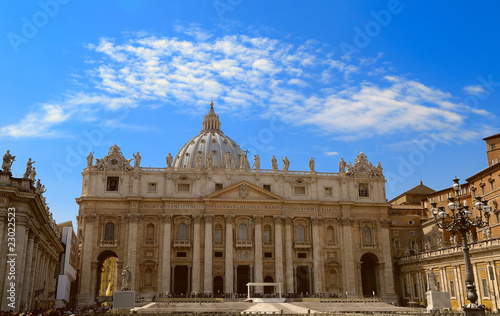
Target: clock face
114, 161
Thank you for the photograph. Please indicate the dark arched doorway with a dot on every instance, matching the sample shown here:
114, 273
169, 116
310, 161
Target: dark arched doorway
107, 274
369, 274
302, 280
268, 289
218, 285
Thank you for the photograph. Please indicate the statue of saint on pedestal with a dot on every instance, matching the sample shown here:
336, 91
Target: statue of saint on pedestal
8, 160
256, 162
126, 280
29, 167
227, 159
170, 159
199, 159
90, 160
286, 163
137, 161
312, 164
274, 163
431, 281
342, 165
209, 160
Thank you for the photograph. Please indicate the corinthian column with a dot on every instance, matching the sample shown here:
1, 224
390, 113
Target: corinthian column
84, 298
133, 219
165, 264
317, 260
289, 254
207, 275
278, 250
350, 273
196, 273
388, 280
229, 254
258, 253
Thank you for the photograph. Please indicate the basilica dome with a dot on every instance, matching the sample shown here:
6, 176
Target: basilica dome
211, 148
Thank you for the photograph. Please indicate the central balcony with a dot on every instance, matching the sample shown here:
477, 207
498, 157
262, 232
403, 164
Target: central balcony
182, 244
244, 244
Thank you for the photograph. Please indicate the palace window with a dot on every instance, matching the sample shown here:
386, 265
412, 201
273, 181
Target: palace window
302, 255
330, 235
181, 254
452, 289
363, 190
299, 190
268, 254
152, 187
267, 234
112, 183
218, 254
267, 187
219, 186
182, 232
109, 232
484, 283
328, 191
300, 233
183, 187
367, 235
243, 232
218, 233
150, 233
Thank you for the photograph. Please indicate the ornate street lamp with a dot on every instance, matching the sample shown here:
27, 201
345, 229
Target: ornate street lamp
461, 221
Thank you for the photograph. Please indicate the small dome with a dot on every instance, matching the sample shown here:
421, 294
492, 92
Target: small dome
210, 141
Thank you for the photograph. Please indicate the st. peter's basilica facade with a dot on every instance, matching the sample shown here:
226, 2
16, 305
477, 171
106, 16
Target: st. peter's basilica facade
210, 223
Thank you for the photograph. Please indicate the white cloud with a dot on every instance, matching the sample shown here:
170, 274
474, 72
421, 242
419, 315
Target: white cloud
304, 85
474, 90
331, 153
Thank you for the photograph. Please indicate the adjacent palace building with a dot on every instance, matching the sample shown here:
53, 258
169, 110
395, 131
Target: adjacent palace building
208, 223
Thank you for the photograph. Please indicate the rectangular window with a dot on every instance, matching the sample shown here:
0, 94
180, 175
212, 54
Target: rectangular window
268, 254
218, 254
492, 274
299, 190
396, 244
302, 255
152, 187
493, 146
267, 235
494, 161
492, 186
267, 187
183, 187
328, 192
218, 235
412, 234
411, 222
486, 293
363, 190
219, 186
181, 254
483, 190
452, 289
112, 183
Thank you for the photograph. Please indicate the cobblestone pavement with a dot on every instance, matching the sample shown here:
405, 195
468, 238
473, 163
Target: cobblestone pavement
298, 307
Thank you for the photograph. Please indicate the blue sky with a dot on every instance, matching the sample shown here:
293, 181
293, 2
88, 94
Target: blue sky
412, 85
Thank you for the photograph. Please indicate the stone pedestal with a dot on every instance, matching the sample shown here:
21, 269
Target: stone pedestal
123, 299
437, 300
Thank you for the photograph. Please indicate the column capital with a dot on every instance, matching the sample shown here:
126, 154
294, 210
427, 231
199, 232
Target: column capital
90, 218
229, 218
133, 218
347, 221
208, 218
165, 219
197, 218
258, 219
278, 219
384, 222
316, 220
288, 220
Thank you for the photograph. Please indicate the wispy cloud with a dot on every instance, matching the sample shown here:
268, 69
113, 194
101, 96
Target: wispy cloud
259, 76
474, 90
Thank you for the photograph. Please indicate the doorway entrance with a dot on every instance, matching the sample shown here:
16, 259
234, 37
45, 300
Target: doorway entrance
218, 285
181, 280
369, 274
302, 276
242, 278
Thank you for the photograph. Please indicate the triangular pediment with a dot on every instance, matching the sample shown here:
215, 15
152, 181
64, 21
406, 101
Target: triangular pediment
243, 190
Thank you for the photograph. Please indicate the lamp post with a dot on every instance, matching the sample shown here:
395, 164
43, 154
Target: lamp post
461, 221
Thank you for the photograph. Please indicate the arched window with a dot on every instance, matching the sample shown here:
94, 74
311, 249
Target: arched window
367, 235
150, 233
267, 234
300, 233
182, 232
330, 235
109, 232
243, 232
148, 277
218, 233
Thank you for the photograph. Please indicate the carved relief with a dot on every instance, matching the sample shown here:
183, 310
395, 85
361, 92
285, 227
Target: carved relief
165, 218
243, 191
363, 168
114, 160
347, 221
384, 222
